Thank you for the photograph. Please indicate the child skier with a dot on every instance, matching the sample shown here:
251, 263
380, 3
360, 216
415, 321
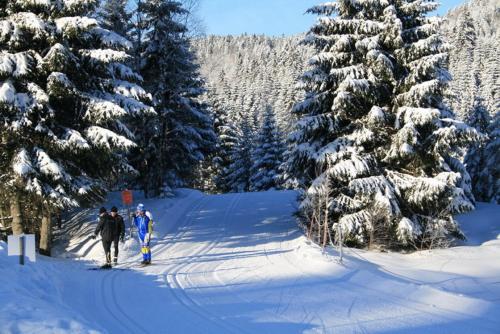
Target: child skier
143, 220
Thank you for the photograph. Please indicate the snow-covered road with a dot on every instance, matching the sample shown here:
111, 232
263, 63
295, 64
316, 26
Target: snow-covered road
238, 263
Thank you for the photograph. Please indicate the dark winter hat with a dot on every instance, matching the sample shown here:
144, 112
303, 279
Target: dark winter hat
114, 209
102, 210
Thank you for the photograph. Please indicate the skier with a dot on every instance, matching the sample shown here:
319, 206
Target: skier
107, 228
120, 231
143, 220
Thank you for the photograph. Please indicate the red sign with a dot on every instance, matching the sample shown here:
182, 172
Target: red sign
127, 197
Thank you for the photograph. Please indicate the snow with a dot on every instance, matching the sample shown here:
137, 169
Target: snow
14, 64
105, 138
238, 263
417, 116
66, 25
26, 21
74, 139
105, 55
22, 165
60, 79
112, 39
407, 230
7, 92
48, 166
102, 111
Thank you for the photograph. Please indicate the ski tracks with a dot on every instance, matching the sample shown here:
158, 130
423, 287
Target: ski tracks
108, 284
172, 279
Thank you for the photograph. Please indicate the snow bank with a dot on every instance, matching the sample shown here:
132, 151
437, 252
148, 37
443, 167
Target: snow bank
32, 298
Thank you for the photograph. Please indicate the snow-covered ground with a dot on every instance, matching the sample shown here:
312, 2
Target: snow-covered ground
239, 264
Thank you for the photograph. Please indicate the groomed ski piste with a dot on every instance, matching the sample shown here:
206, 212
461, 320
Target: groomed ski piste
238, 263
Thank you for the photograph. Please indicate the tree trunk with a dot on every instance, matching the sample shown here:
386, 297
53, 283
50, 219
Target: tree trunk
15, 211
325, 228
46, 232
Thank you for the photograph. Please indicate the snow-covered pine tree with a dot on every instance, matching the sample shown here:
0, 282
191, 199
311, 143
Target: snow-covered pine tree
376, 149
183, 132
256, 70
227, 137
472, 29
490, 178
482, 159
64, 94
463, 84
237, 174
267, 155
114, 16
474, 159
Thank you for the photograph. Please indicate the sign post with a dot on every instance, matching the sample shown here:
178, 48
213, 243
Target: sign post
128, 199
21, 250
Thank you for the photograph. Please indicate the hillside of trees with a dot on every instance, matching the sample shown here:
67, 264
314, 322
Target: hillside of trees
247, 73
361, 116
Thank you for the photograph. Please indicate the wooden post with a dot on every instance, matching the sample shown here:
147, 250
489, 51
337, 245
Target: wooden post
129, 221
128, 199
46, 232
340, 242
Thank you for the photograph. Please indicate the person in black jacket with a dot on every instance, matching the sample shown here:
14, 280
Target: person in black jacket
107, 228
120, 230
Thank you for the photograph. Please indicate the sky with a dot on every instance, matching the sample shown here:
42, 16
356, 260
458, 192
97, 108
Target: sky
269, 17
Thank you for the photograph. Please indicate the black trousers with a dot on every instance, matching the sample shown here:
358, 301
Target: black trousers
107, 246
115, 244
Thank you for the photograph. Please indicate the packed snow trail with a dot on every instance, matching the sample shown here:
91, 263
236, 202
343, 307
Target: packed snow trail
238, 263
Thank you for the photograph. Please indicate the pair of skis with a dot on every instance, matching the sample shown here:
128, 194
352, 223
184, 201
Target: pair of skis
111, 267
107, 267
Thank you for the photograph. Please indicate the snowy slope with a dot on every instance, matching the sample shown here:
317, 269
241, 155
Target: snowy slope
239, 264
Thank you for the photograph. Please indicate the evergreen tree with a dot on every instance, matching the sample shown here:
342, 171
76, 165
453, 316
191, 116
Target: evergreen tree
182, 135
267, 155
227, 138
376, 149
490, 176
483, 159
115, 17
237, 174
463, 84
472, 30
65, 94
256, 71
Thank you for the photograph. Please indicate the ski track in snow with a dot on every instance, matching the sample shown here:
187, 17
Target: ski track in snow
238, 263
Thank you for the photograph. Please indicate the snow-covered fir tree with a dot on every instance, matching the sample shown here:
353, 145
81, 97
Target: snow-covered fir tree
236, 176
472, 30
114, 16
65, 95
490, 177
227, 137
267, 156
248, 72
483, 158
182, 134
376, 149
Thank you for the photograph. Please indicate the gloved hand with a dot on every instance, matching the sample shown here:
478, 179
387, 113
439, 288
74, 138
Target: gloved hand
94, 236
122, 239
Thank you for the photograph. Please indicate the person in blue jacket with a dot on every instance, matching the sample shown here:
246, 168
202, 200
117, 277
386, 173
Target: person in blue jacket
143, 220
